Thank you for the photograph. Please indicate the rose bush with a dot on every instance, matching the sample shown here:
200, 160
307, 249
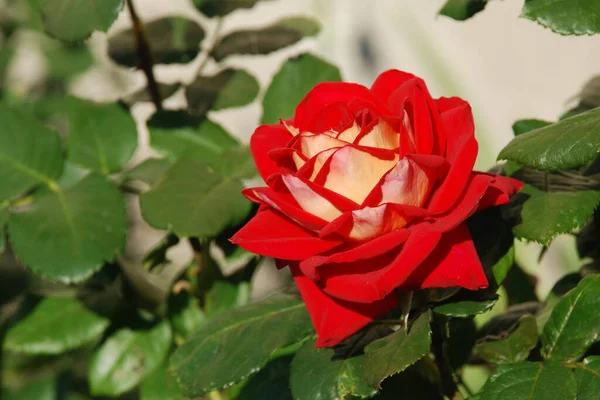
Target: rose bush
368, 193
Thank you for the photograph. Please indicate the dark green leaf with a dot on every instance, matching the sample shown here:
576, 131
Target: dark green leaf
128, 357
281, 34
548, 214
160, 385
101, 137
574, 323
173, 40
220, 8
149, 171
270, 383
238, 342
459, 340
411, 384
463, 309
316, 376
185, 313
587, 374
3, 221
228, 88
526, 125
461, 10
75, 20
566, 17
512, 348
398, 351
30, 154
66, 235
44, 388
165, 90
530, 381
503, 266
174, 133
569, 143
293, 81
224, 295
44, 331
205, 204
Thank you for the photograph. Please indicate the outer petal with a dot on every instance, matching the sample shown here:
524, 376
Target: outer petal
272, 235
265, 139
388, 82
370, 280
453, 263
500, 191
333, 319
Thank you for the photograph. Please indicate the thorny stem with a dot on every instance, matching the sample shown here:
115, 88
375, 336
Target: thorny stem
207, 50
144, 53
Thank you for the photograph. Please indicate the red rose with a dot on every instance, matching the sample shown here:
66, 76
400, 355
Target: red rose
368, 191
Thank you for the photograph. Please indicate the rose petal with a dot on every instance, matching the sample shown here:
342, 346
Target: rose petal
272, 235
310, 144
333, 319
265, 139
379, 134
335, 117
499, 192
454, 263
388, 82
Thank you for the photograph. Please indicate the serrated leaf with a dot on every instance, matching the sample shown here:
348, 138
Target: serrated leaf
75, 20
281, 34
462, 10
270, 383
238, 342
292, 82
225, 295
173, 133
565, 17
530, 381
398, 351
30, 154
205, 204
587, 374
220, 8
464, 309
315, 375
574, 324
525, 125
229, 88
173, 40
548, 214
127, 357
67, 234
160, 385
512, 348
185, 313
44, 331
569, 143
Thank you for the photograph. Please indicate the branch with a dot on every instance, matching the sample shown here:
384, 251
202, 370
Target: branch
144, 54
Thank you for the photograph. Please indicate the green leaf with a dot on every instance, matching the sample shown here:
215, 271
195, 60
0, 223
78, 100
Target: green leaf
66, 235
526, 125
206, 203
548, 214
566, 17
587, 374
30, 154
316, 376
128, 357
569, 143
270, 383
75, 20
185, 313
238, 342
44, 388
281, 34
3, 221
462, 10
229, 88
530, 381
293, 81
66, 61
237, 163
148, 171
503, 266
398, 351
142, 95
464, 309
224, 295
44, 331
220, 8
574, 324
173, 40
173, 133
514, 347
160, 385
101, 137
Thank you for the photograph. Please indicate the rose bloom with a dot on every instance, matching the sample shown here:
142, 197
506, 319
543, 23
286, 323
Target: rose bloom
368, 193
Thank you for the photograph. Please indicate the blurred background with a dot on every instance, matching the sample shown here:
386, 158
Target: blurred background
492, 60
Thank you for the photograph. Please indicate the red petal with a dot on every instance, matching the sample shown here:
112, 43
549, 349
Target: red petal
272, 235
333, 117
454, 263
265, 139
499, 192
388, 82
369, 280
333, 319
